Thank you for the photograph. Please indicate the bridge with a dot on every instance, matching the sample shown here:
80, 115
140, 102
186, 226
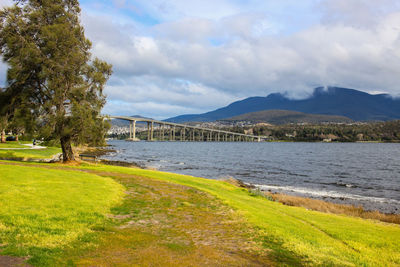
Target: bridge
168, 131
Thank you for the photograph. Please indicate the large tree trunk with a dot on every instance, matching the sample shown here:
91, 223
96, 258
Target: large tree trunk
3, 136
66, 147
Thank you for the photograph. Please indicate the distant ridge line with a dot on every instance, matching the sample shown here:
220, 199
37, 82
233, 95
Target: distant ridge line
336, 101
278, 117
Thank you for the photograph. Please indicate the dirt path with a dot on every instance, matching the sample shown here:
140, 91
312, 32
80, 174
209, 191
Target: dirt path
164, 224
28, 147
9, 261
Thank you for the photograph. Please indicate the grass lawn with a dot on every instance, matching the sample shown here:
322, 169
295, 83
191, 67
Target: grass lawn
291, 235
12, 144
165, 224
318, 238
42, 211
29, 153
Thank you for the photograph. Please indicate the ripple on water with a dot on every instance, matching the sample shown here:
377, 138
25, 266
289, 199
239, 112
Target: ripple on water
357, 174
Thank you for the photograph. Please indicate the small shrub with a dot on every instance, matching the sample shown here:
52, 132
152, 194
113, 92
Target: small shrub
257, 192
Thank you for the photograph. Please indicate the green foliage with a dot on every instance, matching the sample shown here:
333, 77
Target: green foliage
367, 132
51, 143
44, 210
53, 85
258, 193
278, 117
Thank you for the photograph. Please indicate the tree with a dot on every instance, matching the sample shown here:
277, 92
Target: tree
51, 78
3, 117
3, 125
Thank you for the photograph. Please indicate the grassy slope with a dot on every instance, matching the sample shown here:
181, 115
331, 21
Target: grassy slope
322, 239
12, 145
29, 153
43, 210
167, 224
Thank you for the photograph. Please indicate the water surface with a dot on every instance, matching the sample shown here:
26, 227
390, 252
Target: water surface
366, 174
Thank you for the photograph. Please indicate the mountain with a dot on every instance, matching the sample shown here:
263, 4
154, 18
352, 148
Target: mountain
278, 117
356, 105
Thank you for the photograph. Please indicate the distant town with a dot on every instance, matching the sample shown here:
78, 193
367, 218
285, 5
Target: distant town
302, 131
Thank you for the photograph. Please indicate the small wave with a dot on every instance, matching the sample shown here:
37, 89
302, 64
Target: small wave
243, 174
297, 174
338, 184
188, 168
323, 193
275, 173
153, 167
225, 177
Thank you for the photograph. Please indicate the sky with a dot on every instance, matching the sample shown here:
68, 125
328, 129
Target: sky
173, 57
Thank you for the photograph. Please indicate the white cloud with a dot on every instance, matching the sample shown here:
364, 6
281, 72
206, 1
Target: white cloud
4, 3
177, 94
358, 13
244, 63
202, 55
207, 9
187, 30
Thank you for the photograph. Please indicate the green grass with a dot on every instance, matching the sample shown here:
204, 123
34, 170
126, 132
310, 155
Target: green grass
163, 224
42, 211
12, 144
314, 238
319, 238
29, 153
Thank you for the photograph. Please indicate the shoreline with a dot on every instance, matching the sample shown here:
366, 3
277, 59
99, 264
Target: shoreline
318, 204
334, 208
281, 141
315, 204
343, 204
368, 203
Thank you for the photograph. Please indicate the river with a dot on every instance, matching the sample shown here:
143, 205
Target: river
366, 174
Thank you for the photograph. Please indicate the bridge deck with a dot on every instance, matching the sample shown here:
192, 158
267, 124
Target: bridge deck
151, 123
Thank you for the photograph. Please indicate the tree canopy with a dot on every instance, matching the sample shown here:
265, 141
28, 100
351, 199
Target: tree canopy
53, 83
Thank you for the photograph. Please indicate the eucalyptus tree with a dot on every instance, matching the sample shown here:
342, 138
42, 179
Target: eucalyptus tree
52, 79
3, 126
4, 115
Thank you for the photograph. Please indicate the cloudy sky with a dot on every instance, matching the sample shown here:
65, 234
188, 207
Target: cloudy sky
172, 57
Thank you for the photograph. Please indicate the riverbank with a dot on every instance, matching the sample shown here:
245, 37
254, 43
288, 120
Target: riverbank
286, 199
290, 200
328, 207
359, 174
318, 205
276, 234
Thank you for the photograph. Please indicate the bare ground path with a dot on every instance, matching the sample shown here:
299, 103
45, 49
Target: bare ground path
9, 261
164, 224
28, 146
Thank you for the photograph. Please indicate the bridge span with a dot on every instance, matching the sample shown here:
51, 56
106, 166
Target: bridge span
168, 131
